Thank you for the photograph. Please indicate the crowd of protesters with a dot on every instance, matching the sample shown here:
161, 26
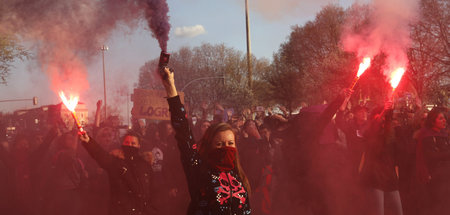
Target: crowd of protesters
327, 159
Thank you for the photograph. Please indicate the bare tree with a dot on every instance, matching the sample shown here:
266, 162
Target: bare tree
311, 66
430, 53
213, 73
10, 50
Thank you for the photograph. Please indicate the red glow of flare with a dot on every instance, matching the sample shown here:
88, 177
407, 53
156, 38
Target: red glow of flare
71, 104
396, 77
363, 66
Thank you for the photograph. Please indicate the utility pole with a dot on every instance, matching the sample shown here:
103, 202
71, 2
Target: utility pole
128, 109
104, 48
249, 60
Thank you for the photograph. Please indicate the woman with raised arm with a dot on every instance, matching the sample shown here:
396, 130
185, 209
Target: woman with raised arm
379, 164
217, 183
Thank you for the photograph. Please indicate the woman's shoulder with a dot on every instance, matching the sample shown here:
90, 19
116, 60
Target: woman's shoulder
429, 134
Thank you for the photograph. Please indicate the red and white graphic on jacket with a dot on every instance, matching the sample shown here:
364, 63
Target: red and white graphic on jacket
229, 187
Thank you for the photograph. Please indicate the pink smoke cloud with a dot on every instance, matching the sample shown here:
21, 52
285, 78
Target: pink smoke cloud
382, 26
67, 35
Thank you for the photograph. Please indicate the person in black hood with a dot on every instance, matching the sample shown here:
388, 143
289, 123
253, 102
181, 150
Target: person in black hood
129, 175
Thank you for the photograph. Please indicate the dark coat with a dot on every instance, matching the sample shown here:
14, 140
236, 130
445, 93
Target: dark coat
355, 140
436, 151
23, 174
211, 191
130, 181
379, 167
433, 152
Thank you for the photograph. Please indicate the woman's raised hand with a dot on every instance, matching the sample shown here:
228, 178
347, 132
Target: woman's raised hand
169, 83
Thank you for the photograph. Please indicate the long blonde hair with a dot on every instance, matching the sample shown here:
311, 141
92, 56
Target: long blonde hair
205, 147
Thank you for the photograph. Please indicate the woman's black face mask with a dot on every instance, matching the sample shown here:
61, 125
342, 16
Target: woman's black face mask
130, 152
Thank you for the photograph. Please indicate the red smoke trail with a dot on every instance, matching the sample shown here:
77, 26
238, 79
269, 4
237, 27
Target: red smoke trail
66, 71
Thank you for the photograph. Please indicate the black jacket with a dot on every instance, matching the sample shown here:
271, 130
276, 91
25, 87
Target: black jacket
436, 151
379, 167
130, 181
211, 191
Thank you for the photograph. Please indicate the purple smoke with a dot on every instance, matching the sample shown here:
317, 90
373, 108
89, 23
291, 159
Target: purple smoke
158, 21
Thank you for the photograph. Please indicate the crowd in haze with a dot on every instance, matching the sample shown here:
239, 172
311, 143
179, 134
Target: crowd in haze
328, 159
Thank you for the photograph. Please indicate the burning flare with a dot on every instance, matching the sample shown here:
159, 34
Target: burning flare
71, 104
363, 66
396, 77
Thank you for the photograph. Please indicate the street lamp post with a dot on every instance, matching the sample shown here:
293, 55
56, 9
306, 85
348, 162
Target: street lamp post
249, 60
104, 48
128, 109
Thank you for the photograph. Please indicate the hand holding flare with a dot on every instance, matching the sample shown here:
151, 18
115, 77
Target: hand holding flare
71, 104
363, 66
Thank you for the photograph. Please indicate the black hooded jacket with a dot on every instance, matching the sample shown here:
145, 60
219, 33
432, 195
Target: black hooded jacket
130, 181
